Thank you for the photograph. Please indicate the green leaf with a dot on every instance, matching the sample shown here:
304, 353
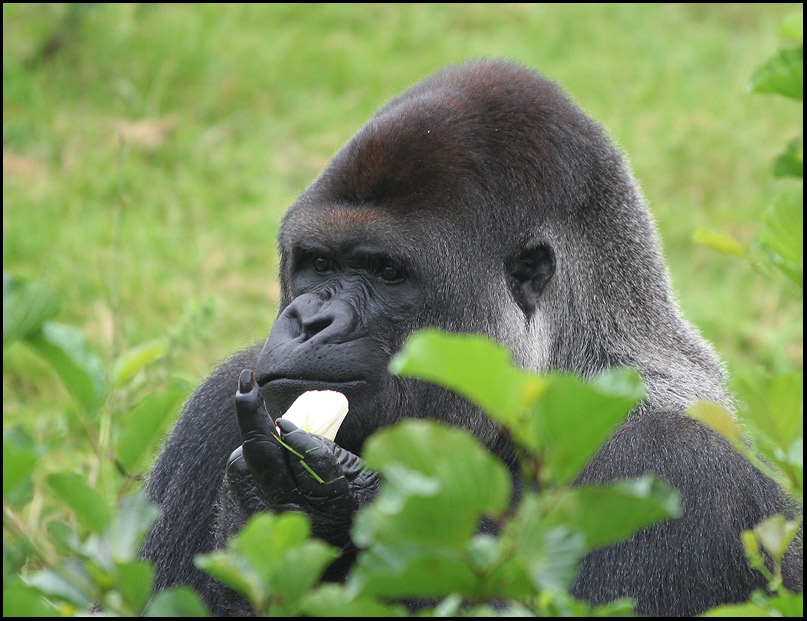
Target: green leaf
720, 242
71, 584
401, 571
235, 572
134, 583
438, 481
272, 562
606, 514
178, 601
782, 236
471, 365
549, 556
130, 524
303, 566
17, 465
77, 365
775, 534
782, 74
774, 405
136, 359
718, 418
748, 609
791, 162
26, 305
145, 426
86, 503
793, 26
21, 600
787, 604
574, 418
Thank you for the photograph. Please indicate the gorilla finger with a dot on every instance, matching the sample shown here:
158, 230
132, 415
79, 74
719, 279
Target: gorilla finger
312, 461
237, 472
253, 419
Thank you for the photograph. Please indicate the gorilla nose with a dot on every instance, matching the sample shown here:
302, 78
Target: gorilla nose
313, 338
323, 320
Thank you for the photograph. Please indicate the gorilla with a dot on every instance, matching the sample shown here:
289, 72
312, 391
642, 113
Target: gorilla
481, 200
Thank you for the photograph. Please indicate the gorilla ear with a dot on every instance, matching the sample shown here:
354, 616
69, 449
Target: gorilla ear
530, 270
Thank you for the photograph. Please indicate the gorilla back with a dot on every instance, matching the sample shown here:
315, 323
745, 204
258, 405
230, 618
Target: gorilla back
480, 200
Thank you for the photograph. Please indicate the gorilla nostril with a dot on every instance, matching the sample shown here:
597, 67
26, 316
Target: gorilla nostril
315, 325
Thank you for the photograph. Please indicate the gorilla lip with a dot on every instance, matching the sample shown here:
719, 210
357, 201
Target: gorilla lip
309, 384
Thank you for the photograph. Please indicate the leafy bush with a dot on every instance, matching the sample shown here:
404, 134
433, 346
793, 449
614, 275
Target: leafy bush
420, 537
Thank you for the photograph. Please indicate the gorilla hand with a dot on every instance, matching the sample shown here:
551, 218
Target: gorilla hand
279, 467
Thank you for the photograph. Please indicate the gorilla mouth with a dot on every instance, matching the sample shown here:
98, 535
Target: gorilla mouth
285, 383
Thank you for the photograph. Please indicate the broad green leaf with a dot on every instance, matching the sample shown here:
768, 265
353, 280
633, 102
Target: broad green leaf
402, 571
783, 74
235, 572
574, 418
606, 514
787, 604
130, 524
86, 503
266, 538
145, 426
15, 555
782, 236
774, 405
70, 583
717, 417
548, 555
775, 534
720, 242
438, 481
791, 162
137, 358
303, 566
21, 600
471, 365
272, 561
748, 609
134, 583
17, 465
77, 365
178, 601
26, 305
793, 26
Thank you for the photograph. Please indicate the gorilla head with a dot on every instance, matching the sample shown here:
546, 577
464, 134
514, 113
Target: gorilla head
481, 200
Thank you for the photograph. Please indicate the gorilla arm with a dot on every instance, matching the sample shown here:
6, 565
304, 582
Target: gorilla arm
687, 565
263, 472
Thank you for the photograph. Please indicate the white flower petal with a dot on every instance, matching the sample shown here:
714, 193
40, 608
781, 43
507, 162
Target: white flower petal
319, 411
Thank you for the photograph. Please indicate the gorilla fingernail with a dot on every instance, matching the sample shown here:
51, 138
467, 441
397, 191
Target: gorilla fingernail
246, 381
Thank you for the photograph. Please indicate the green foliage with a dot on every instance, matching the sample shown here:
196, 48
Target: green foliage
772, 405
420, 538
100, 551
272, 562
92, 98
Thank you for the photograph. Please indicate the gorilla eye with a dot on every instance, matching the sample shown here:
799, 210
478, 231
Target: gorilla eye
322, 265
389, 272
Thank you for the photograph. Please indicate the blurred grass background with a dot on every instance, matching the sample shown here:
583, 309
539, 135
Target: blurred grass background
150, 150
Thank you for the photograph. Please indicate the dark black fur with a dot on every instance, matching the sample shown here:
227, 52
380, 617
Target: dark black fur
480, 200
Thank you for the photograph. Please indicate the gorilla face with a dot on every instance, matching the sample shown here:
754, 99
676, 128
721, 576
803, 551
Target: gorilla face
353, 300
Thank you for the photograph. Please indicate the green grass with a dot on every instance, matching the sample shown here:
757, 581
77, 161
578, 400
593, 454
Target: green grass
239, 107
